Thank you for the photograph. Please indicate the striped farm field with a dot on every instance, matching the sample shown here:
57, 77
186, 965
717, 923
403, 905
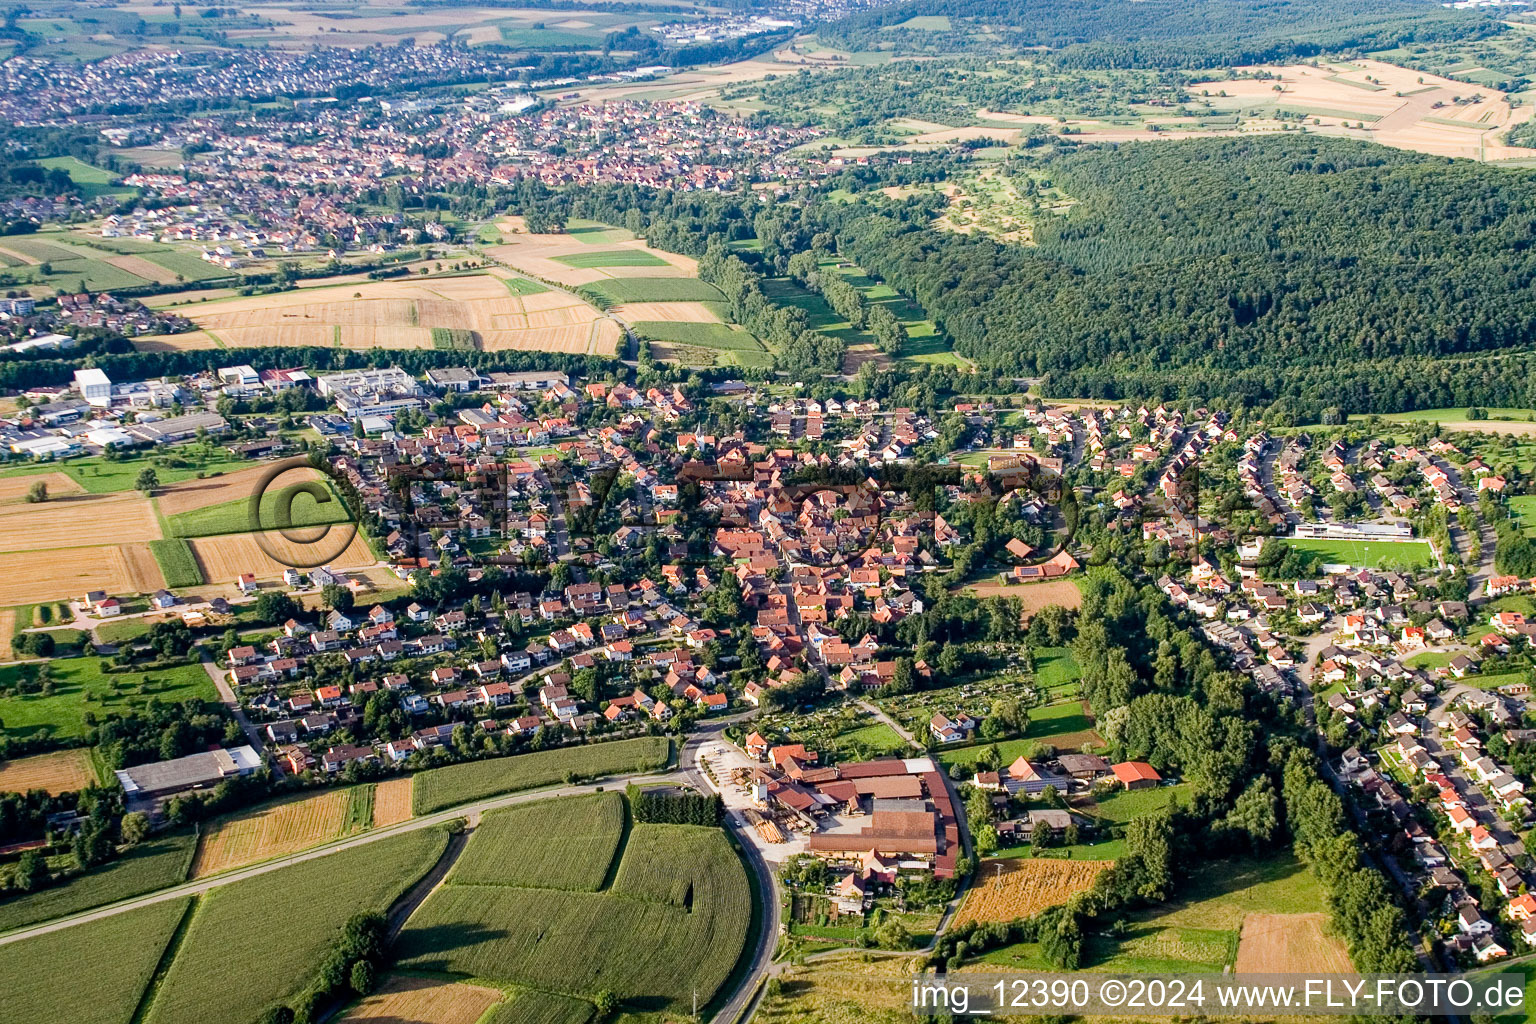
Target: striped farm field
223, 558
424, 1001
65, 771
177, 564
285, 827
650, 289
190, 495
512, 845
82, 520
441, 788
670, 312
1017, 887
717, 336
612, 258
391, 801
398, 314
27, 577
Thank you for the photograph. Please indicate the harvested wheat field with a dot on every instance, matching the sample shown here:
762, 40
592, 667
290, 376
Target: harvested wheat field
7, 633
407, 1000
1033, 596
237, 486
64, 771
391, 801
286, 827
537, 255
142, 267
1290, 943
74, 520
15, 488
1021, 886
224, 558
395, 315
191, 341
27, 577
667, 312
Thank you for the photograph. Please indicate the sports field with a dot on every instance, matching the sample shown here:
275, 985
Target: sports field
1365, 554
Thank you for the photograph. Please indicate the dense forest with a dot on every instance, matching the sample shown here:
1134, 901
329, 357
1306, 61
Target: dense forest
1262, 267
1160, 33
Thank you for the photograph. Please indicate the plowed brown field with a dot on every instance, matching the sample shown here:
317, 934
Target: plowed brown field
391, 801
1287, 943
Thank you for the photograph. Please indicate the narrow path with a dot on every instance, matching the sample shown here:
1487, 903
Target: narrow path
404, 907
227, 695
886, 719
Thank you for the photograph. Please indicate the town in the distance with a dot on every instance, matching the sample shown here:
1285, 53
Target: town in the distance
659, 513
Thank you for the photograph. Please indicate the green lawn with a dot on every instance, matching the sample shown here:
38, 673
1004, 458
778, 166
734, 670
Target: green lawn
61, 716
1126, 804
281, 508
619, 258
1430, 659
92, 181
1522, 509
1055, 667
1198, 930
99, 476
1365, 554
1454, 415
523, 286
1109, 849
876, 736
595, 233
719, 336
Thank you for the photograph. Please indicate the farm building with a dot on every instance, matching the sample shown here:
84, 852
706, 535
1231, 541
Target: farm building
162, 778
1136, 775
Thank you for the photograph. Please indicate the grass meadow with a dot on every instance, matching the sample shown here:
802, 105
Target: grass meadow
81, 685
441, 788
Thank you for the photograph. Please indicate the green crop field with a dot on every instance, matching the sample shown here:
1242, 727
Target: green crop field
1198, 930
619, 258
596, 233
718, 336
512, 847
672, 925
61, 716
155, 864
190, 267
547, 38
523, 286
255, 943
649, 289
441, 788
177, 563
302, 509
1365, 554
534, 1007
93, 973
453, 339
1055, 667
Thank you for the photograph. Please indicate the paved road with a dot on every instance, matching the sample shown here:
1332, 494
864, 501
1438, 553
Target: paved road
227, 695
744, 999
